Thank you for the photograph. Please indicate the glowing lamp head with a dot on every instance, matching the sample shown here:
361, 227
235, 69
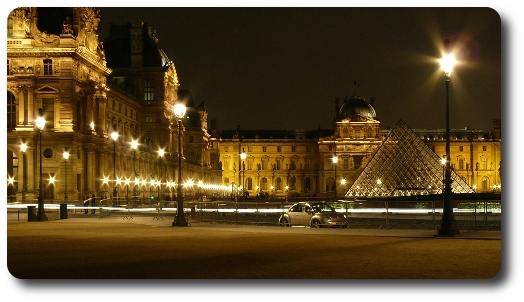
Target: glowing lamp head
335, 159
180, 110
40, 121
114, 135
23, 147
447, 63
243, 155
66, 155
161, 152
134, 144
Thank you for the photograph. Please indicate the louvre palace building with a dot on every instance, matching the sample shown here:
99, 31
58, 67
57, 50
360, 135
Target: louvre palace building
108, 104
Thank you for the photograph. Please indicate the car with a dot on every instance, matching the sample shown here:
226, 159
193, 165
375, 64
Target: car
314, 214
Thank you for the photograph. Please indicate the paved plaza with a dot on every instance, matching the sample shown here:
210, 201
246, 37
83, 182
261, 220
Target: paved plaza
146, 247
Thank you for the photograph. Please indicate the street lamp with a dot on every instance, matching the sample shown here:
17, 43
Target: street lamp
66, 157
23, 147
161, 153
134, 146
243, 156
52, 183
180, 220
448, 227
127, 182
40, 123
114, 136
105, 181
335, 161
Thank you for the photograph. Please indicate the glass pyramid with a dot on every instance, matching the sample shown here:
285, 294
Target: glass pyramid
404, 166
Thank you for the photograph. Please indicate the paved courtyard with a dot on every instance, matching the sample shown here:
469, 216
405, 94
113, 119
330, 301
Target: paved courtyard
147, 248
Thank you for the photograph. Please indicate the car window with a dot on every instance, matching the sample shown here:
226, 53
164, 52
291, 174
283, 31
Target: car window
308, 208
322, 207
296, 208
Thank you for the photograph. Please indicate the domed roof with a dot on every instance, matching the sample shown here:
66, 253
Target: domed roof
356, 105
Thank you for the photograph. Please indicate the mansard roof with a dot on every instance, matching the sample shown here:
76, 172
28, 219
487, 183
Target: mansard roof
117, 47
276, 134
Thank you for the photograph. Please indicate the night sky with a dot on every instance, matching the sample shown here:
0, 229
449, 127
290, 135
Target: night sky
282, 68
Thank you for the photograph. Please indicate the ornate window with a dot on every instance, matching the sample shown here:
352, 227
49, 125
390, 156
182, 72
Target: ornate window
278, 164
293, 183
279, 184
264, 164
263, 184
48, 67
293, 164
307, 184
308, 163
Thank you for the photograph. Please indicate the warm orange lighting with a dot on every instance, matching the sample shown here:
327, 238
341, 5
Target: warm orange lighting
447, 63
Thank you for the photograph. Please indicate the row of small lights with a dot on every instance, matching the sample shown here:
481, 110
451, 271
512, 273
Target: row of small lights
153, 182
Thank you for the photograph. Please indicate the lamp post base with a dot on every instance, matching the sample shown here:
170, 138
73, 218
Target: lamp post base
448, 228
180, 221
41, 217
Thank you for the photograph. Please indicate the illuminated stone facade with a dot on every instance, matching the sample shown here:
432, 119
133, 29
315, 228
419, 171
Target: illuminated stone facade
285, 164
87, 90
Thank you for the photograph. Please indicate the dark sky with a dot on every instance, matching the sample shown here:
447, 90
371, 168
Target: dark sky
282, 68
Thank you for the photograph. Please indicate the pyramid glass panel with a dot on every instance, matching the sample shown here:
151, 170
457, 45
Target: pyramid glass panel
404, 166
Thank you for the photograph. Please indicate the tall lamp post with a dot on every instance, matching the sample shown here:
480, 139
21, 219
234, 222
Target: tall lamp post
23, 147
335, 161
243, 156
161, 153
448, 227
66, 157
180, 220
40, 123
114, 136
134, 146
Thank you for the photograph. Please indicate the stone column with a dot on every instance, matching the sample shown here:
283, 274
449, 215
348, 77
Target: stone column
100, 110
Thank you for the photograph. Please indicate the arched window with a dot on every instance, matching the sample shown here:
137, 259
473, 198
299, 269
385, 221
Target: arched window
307, 184
330, 184
292, 183
263, 184
485, 183
11, 111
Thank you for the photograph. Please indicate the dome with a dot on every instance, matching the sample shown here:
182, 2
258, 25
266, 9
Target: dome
356, 105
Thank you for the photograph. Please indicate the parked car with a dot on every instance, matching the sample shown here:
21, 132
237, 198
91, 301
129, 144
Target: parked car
313, 214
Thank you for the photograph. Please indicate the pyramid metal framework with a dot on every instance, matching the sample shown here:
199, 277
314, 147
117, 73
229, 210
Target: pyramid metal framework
404, 166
